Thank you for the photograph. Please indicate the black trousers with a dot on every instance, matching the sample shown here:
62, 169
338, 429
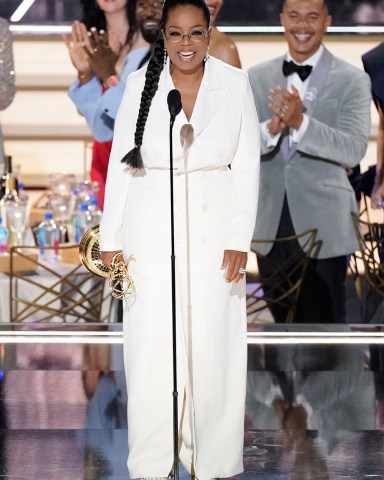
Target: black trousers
322, 298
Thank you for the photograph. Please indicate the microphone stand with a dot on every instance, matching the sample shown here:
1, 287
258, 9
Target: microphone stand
175, 394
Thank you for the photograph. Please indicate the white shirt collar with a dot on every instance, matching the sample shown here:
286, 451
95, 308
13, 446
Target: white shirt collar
313, 61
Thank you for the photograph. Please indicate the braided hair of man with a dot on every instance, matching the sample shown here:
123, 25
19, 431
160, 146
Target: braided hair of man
152, 76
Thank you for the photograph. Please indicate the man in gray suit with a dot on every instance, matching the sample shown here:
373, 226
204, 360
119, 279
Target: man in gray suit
314, 111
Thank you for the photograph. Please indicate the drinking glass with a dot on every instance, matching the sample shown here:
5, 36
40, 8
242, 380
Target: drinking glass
17, 217
62, 208
61, 183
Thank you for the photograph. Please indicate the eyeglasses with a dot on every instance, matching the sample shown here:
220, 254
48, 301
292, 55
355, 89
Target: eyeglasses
146, 5
196, 35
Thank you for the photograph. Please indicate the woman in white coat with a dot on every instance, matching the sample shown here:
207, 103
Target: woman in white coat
216, 176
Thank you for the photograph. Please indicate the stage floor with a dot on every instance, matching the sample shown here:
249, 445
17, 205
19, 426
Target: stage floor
314, 411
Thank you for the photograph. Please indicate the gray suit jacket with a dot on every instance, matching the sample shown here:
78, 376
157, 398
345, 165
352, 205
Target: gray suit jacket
313, 173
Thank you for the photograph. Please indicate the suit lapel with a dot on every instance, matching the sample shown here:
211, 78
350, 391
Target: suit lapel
317, 81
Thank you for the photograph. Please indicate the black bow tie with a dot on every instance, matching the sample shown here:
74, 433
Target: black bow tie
302, 70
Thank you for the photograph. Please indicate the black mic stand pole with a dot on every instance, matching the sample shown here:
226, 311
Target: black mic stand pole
174, 330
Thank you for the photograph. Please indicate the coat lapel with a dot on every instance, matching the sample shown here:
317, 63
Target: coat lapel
209, 98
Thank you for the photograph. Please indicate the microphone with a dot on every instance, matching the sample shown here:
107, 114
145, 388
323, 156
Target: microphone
174, 103
174, 106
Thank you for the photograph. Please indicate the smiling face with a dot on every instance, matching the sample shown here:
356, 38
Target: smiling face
148, 16
214, 7
304, 22
189, 53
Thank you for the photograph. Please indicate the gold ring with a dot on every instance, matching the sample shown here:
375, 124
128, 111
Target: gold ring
95, 50
242, 271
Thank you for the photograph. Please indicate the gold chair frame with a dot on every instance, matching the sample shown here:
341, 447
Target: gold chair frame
282, 280
370, 244
71, 296
356, 258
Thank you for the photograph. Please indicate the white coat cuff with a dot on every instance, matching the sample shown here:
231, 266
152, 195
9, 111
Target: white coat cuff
270, 140
297, 135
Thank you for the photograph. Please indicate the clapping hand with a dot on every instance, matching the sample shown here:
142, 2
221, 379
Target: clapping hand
76, 44
93, 52
287, 109
103, 53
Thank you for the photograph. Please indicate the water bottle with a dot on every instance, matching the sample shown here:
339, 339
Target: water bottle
48, 234
4, 237
23, 196
95, 212
83, 222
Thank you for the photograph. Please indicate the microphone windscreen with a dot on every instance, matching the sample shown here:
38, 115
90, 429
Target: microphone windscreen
7, 73
174, 102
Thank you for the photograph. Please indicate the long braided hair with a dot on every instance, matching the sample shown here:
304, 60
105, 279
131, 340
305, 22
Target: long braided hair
93, 16
152, 76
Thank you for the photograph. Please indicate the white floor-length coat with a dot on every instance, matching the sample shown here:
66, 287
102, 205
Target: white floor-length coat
215, 209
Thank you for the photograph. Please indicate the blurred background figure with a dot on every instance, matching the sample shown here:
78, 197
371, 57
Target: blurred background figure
105, 47
369, 12
374, 65
7, 76
221, 47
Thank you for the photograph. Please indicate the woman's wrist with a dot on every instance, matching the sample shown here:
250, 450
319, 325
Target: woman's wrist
84, 77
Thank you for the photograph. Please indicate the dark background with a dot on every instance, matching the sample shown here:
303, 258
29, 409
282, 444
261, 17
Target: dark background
266, 12
233, 13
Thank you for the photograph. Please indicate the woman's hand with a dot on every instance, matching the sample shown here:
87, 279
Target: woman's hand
107, 257
235, 262
102, 56
77, 44
377, 196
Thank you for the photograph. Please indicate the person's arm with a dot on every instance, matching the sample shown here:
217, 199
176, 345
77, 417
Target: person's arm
377, 195
100, 109
344, 142
224, 48
119, 175
271, 125
245, 168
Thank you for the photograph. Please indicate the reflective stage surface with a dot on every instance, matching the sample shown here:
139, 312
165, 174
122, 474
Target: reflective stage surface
313, 411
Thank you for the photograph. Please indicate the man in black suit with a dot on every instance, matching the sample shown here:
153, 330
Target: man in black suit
374, 65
